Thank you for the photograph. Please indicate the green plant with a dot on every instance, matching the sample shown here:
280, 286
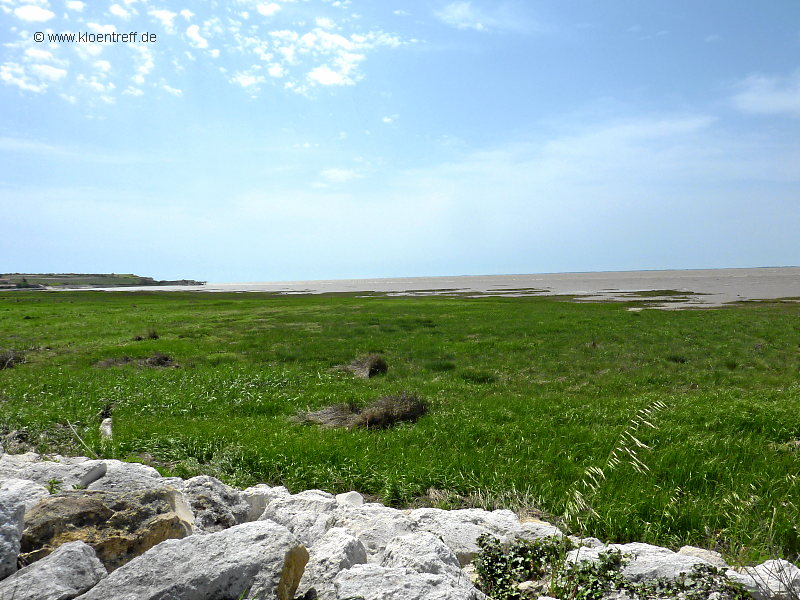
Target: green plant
54, 486
501, 570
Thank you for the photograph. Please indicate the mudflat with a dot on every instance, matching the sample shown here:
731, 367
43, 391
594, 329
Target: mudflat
672, 289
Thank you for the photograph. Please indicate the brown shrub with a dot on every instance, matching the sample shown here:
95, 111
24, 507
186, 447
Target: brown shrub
10, 358
367, 366
390, 410
159, 359
385, 412
113, 362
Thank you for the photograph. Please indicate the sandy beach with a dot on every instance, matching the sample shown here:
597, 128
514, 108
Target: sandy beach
686, 288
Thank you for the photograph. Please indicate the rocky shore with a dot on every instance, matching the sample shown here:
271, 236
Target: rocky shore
105, 529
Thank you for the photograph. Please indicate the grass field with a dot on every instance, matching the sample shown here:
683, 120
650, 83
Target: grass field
528, 398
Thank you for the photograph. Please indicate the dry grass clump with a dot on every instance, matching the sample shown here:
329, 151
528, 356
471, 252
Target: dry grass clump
390, 410
151, 334
10, 358
385, 412
113, 362
367, 366
157, 359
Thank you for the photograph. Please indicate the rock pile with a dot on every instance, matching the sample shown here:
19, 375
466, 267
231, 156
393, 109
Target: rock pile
103, 529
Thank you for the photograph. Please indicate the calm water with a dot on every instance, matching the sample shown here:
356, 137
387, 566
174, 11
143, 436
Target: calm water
710, 287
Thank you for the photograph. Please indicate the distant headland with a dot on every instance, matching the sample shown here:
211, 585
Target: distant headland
83, 280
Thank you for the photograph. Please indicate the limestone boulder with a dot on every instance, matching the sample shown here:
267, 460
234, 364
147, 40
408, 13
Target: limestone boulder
373, 524
534, 529
65, 574
216, 506
123, 477
646, 562
308, 515
119, 526
771, 580
374, 582
58, 472
12, 518
710, 556
23, 491
422, 552
258, 496
259, 561
460, 529
350, 499
333, 553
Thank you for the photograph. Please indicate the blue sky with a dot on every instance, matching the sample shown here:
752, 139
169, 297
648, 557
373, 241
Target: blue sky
319, 139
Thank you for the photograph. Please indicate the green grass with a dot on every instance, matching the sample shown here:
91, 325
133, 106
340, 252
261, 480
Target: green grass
524, 396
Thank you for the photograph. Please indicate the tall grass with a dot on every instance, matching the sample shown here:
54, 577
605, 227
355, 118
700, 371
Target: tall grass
530, 402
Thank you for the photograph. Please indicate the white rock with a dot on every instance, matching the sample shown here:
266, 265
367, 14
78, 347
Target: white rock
374, 582
24, 491
66, 573
334, 552
66, 474
12, 522
710, 556
374, 524
534, 529
258, 496
308, 514
350, 499
423, 552
125, 477
460, 529
771, 580
646, 561
261, 556
216, 506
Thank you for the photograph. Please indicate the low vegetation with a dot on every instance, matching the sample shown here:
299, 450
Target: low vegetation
668, 427
529, 569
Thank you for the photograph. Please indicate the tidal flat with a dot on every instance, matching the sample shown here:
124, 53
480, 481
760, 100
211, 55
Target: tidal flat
669, 427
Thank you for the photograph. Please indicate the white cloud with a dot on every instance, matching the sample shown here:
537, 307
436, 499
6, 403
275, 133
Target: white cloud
38, 54
103, 65
463, 15
117, 10
132, 91
247, 80
14, 74
197, 40
390, 119
30, 12
97, 28
143, 58
401, 13
325, 23
324, 75
340, 175
268, 9
276, 70
760, 94
171, 90
49, 72
165, 17
187, 14
76, 5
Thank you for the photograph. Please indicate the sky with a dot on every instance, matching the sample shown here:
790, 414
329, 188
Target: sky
292, 140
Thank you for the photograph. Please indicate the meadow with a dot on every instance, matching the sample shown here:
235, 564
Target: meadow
669, 427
